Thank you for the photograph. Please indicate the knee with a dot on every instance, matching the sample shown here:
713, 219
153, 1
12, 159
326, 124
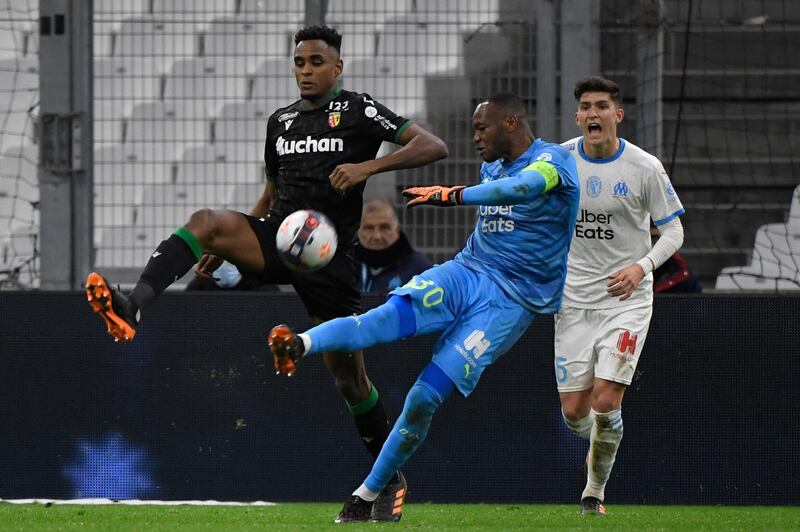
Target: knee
607, 401
204, 224
574, 412
420, 404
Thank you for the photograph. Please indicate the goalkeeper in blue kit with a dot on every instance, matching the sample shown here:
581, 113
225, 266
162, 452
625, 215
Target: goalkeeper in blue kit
513, 267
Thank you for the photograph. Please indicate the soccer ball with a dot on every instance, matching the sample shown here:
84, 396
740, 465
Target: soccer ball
306, 241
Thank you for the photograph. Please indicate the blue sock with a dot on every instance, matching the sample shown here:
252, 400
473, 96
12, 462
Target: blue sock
428, 393
386, 323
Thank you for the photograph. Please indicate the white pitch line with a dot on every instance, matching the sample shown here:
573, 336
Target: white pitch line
135, 502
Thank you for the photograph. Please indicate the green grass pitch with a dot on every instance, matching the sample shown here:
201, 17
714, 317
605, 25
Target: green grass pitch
416, 517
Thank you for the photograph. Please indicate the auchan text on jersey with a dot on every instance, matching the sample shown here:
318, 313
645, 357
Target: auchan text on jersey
308, 145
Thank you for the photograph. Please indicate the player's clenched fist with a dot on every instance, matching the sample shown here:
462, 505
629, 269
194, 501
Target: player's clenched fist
435, 195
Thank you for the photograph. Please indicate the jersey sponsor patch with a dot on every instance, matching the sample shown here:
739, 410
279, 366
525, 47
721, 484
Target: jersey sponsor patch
308, 145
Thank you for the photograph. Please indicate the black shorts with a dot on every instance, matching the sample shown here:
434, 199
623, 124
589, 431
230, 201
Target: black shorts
331, 292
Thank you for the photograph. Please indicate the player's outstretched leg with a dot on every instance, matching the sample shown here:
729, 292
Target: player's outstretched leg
113, 306
429, 392
386, 323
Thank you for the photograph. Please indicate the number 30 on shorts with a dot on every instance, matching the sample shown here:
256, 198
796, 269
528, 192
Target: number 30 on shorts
432, 297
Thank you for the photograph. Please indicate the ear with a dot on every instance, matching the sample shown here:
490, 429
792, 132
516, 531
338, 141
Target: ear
339, 68
511, 122
620, 114
577, 122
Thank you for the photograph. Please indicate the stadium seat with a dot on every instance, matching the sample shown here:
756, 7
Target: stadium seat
162, 40
438, 46
160, 131
359, 38
212, 81
252, 37
274, 85
198, 12
126, 246
119, 84
126, 80
202, 166
116, 164
243, 197
169, 206
287, 10
468, 15
239, 132
394, 81
115, 204
375, 11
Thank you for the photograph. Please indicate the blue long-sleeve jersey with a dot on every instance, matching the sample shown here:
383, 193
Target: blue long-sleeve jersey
527, 212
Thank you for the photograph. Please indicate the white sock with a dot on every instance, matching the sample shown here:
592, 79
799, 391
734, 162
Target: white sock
604, 442
365, 493
581, 427
306, 342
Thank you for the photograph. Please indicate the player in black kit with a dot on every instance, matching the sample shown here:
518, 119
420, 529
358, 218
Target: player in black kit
319, 152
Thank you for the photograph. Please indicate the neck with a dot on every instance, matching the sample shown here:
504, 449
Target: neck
316, 103
518, 148
601, 151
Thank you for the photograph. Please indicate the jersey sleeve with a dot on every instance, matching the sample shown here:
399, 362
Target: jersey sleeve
663, 202
270, 154
380, 121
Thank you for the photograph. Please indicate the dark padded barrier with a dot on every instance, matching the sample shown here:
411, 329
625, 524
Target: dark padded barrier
192, 409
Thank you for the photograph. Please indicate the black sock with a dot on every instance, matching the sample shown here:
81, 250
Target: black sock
373, 427
171, 260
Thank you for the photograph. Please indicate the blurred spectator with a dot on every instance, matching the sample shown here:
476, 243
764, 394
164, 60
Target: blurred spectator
387, 259
674, 276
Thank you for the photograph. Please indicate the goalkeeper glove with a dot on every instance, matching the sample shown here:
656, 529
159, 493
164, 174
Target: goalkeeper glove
435, 195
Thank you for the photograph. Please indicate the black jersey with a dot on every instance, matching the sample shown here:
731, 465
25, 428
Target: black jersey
303, 147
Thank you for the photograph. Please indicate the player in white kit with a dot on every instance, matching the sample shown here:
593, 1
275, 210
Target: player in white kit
608, 298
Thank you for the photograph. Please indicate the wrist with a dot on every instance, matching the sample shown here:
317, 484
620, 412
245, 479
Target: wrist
646, 264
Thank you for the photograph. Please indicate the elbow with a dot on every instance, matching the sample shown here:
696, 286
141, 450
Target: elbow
439, 149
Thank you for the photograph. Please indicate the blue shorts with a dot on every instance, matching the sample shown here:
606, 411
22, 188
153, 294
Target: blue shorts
478, 320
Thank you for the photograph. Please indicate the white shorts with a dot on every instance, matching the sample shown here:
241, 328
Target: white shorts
598, 343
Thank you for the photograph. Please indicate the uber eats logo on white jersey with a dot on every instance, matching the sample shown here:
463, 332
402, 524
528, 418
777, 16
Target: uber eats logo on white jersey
594, 226
499, 225
308, 145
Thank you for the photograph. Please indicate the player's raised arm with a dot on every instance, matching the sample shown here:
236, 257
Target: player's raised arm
535, 179
420, 147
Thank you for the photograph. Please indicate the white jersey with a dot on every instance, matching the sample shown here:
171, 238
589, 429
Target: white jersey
619, 196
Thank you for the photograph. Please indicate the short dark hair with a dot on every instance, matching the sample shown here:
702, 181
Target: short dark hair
322, 33
598, 84
509, 101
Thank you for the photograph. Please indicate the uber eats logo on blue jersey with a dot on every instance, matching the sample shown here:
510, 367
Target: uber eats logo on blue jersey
496, 225
308, 145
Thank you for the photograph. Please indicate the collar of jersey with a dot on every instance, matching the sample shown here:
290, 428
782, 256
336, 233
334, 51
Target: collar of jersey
601, 161
524, 158
337, 90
